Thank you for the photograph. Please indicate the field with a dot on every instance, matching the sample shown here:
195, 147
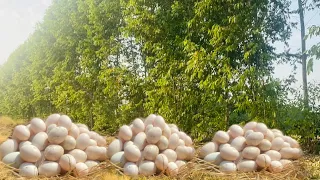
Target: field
307, 167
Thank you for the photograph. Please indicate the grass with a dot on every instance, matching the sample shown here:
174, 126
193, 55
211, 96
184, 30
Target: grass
307, 167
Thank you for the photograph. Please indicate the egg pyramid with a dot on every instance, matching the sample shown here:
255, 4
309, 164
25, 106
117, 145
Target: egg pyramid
151, 146
251, 148
53, 147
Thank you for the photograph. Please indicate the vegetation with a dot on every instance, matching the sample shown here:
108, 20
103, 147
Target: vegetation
203, 65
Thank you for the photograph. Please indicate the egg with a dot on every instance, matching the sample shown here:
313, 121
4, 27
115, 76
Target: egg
236, 130
182, 152
224, 145
69, 143
125, 133
24, 143
13, 159
265, 145
91, 164
150, 119
52, 119
81, 169
131, 169
140, 140
285, 144
93, 152
137, 126
214, 158
127, 144
166, 131
296, 153
119, 159
41, 159
269, 136
37, 125
53, 152
150, 126
150, 152
239, 143
21, 132
103, 154
250, 152
173, 141
57, 135
250, 126
172, 169
181, 142
274, 155
190, 153
248, 132
275, 166
188, 141
286, 163
154, 135
67, 162
30, 153
132, 153
79, 155
221, 137
229, 153
174, 130
263, 160
171, 155
227, 167
83, 130
247, 166
181, 164
147, 168
254, 138
101, 141
49, 169
159, 122
161, 162
82, 142
277, 143
293, 143
50, 127
40, 140
74, 131
286, 153
28, 170
208, 148
163, 143
261, 127
277, 133
82, 126
65, 121
114, 147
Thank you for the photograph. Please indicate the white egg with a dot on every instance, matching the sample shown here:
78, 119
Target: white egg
174, 130
188, 141
79, 155
67, 162
182, 152
172, 169
119, 159
83, 141
150, 152
40, 140
147, 168
173, 141
82, 126
127, 144
101, 141
150, 126
13, 159
254, 138
224, 145
181, 164
50, 127
297, 153
81, 169
154, 135
265, 145
286, 144
208, 148
30, 153
131, 169
41, 159
137, 126
166, 131
83, 130
114, 147
247, 166
53, 152
286, 153
248, 132
269, 136
221, 137
37, 125
21, 132
52, 119
286, 163
159, 122
57, 135
132, 153
229, 153
150, 119
250, 126
28, 170
140, 140
125, 133
250, 152
163, 143
92, 164
181, 142
49, 169
74, 131
190, 153
24, 143
93, 152
65, 121
274, 155
293, 143
236, 130
239, 143
277, 143
263, 160
275, 166
227, 167
261, 127
171, 155
214, 158
69, 143
161, 162
103, 154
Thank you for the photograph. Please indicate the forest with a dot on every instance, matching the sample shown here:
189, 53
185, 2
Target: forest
203, 65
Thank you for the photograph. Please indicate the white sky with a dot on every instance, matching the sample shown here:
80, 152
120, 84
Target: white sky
19, 17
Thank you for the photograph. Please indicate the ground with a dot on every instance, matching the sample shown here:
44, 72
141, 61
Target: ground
306, 168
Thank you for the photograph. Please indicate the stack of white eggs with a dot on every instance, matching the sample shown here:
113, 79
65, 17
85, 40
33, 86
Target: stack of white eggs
151, 146
251, 148
53, 147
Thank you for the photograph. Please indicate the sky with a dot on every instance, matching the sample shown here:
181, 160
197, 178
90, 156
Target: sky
19, 17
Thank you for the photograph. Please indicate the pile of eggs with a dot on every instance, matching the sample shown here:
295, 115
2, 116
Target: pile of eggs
151, 146
53, 147
250, 148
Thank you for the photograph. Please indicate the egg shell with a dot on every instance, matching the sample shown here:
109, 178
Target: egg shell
93, 152
83, 141
101, 141
161, 162
293, 143
286, 163
147, 168
181, 143
50, 127
150, 126
69, 143
174, 130
250, 126
150, 120
181, 164
190, 153
171, 155
49, 169
24, 143
21, 133
131, 169
159, 122
182, 152
28, 170
83, 130
150, 152
115, 146
286, 153
163, 143
140, 140
208, 148
277, 143
297, 153
227, 167
37, 125
52, 119
224, 145
119, 159
91, 164
214, 158
82, 126
125, 133
275, 166
182, 135
261, 127
286, 144
239, 143
221, 137
263, 160
137, 126
132, 153
254, 138
154, 135
247, 133
41, 159
229, 153
67, 162
265, 145
53, 152
236, 130
40, 140
173, 141
30, 153
274, 155
57, 135
172, 169
79, 155
250, 152
269, 136
81, 169
74, 131
13, 159
65, 121
166, 131
188, 141
247, 166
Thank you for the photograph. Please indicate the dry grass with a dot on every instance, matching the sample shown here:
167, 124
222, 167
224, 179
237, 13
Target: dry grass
307, 167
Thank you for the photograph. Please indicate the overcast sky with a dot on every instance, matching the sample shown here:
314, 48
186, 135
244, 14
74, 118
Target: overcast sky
19, 17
